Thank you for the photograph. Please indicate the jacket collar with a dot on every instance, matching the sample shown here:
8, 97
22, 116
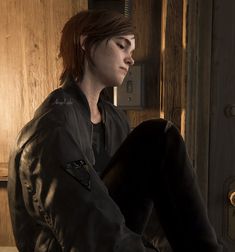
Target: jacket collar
70, 86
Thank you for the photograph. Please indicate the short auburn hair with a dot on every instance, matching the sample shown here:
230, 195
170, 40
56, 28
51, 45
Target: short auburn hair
96, 26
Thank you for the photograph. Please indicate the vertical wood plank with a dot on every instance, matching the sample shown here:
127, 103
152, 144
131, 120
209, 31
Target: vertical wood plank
199, 88
172, 61
6, 236
192, 73
141, 18
146, 17
11, 74
184, 72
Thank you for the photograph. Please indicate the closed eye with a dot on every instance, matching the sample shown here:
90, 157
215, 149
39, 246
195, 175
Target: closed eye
121, 46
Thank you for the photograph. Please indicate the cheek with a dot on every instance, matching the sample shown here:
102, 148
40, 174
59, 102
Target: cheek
113, 54
110, 57
105, 60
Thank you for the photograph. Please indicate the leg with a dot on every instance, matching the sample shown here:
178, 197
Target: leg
152, 166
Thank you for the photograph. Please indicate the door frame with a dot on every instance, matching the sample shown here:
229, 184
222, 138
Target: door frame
197, 136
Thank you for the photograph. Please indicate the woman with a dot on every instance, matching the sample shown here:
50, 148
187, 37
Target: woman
78, 181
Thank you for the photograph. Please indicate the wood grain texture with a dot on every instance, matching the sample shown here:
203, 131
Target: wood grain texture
172, 61
29, 69
185, 76
192, 72
136, 117
6, 236
141, 17
3, 171
199, 88
146, 17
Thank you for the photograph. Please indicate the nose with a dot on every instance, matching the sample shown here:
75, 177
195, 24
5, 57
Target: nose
129, 60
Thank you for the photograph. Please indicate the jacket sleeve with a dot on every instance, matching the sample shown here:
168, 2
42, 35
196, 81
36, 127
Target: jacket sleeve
65, 195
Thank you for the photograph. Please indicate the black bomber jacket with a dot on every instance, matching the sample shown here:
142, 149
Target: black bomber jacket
57, 201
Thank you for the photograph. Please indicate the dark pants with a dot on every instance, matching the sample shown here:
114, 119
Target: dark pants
152, 168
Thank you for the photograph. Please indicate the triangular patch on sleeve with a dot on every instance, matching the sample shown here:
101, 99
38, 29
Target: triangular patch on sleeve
79, 170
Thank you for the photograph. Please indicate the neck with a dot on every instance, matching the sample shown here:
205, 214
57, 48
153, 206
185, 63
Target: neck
92, 93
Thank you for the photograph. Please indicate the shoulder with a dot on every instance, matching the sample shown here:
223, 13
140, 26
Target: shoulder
57, 104
53, 113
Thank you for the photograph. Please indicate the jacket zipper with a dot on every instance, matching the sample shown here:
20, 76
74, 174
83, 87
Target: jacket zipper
92, 129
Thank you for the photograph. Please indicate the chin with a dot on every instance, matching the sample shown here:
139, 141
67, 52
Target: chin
115, 84
114, 81
119, 82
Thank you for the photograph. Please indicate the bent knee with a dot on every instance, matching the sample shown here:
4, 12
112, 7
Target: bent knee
155, 126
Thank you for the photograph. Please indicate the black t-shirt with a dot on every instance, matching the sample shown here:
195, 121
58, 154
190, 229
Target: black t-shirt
98, 145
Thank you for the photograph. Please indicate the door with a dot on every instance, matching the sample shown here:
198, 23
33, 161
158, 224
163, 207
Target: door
222, 124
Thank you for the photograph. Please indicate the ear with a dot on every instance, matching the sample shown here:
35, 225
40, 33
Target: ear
82, 40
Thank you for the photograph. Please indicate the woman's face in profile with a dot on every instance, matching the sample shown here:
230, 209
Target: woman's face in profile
112, 59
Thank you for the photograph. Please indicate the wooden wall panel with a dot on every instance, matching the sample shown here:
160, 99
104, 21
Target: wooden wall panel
199, 56
142, 15
185, 77
146, 17
6, 236
172, 61
29, 70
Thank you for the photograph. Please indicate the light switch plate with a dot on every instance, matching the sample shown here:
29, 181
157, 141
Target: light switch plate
130, 94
